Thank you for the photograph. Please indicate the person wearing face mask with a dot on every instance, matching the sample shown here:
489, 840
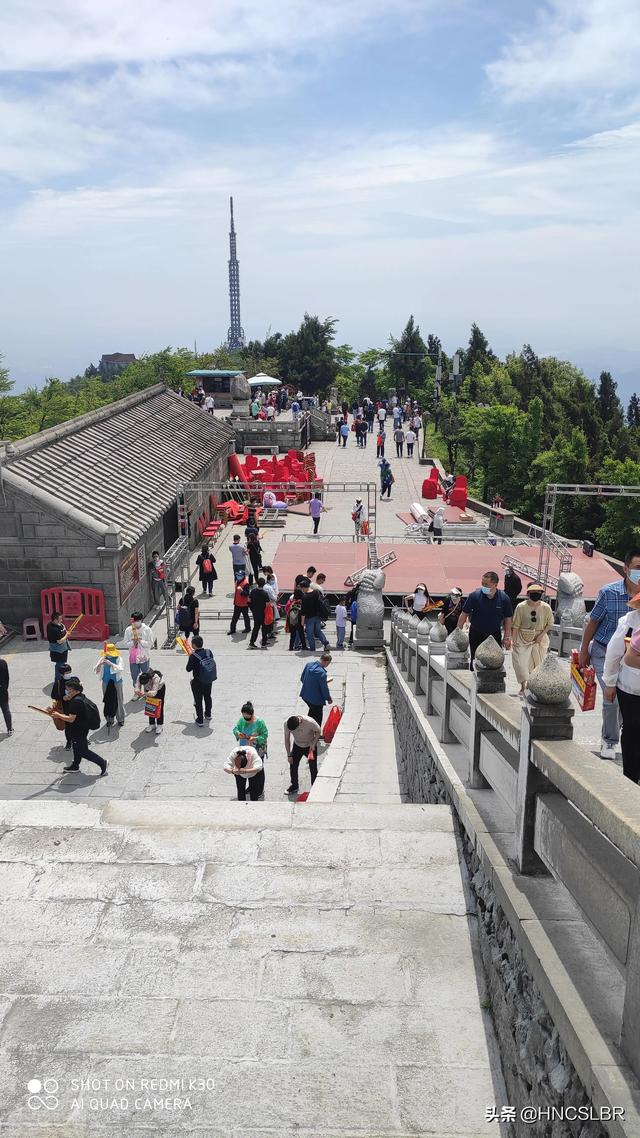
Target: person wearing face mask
139, 640
451, 610
487, 609
621, 676
530, 641
417, 601
612, 603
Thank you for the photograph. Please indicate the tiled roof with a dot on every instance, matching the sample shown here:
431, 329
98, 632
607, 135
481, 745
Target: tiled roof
122, 464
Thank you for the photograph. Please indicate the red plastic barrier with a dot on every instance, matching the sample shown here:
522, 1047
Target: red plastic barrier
236, 469
71, 602
458, 494
331, 726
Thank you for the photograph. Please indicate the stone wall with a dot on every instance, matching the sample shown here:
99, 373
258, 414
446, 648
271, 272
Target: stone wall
537, 1070
39, 550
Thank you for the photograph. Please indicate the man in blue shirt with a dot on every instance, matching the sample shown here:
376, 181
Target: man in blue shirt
315, 686
487, 608
612, 602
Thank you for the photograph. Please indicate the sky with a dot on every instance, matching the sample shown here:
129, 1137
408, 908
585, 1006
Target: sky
458, 160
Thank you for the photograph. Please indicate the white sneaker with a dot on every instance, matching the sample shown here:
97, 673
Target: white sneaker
150, 727
158, 730
608, 751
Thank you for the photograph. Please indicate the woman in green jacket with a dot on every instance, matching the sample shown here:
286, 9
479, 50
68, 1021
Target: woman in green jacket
253, 732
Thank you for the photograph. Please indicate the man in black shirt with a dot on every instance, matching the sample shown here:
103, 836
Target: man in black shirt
313, 608
203, 670
4, 695
258, 600
75, 716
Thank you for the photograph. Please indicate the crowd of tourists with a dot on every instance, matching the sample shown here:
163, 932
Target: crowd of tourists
387, 419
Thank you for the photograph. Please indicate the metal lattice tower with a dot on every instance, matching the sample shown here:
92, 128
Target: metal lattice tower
235, 337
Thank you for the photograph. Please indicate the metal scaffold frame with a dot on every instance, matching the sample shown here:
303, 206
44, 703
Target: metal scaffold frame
550, 542
252, 494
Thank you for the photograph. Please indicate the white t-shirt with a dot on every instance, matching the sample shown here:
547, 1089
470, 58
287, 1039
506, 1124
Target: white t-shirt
209, 402
410, 437
341, 616
419, 601
382, 414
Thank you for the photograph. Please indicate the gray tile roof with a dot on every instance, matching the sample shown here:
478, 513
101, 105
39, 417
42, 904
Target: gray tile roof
122, 464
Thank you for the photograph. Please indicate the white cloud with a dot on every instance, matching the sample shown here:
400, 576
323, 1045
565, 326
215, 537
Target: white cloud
576, 49
46, 35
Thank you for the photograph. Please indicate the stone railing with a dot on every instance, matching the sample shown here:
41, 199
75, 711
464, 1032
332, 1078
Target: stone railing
279, 435
532, 802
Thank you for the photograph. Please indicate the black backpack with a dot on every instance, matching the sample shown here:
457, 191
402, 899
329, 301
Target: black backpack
184, 617
91, 714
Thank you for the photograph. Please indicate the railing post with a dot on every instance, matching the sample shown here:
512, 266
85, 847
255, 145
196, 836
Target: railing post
630, 1035
477, 781
539, 720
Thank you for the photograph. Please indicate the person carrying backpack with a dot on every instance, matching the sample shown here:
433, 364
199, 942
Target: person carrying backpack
206, 570
294, 625
188, 615
81, 716
203, 668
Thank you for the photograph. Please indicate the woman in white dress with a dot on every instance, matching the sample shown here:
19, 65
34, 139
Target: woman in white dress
530, 641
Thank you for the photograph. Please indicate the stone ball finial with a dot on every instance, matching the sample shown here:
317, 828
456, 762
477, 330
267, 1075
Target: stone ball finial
438, 633
490, 654
412, 624
458, 640
423, 630
551, 680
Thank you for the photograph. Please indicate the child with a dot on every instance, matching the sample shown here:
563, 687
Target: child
150, 684
341, 623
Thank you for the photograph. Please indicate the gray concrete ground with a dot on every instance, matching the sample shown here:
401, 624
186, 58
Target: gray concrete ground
312, 970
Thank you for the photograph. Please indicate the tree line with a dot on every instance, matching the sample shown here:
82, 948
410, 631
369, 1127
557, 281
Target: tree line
511, 425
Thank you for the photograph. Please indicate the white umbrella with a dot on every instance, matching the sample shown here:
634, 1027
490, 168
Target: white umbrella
261, 380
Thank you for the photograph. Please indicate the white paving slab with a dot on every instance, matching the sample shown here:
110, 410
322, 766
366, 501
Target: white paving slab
321, 973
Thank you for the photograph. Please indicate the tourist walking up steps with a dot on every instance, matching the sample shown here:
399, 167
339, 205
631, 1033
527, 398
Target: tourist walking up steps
258, 601
380, 441
240, 605
315, 510
621, 676
139, 640
238, 557
530, 641
357, 517
612, 603
204, 673
301, 735
81, 716
206, 570
398, 438
315, 686
110, 670
58, 642
487, 608
341, 623
386, 479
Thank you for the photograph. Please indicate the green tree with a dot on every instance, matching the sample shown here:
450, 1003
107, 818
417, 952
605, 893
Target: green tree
478, 352
566, 461
620, 529
633, 412
307, 357
406, 362
492, 437
451, 428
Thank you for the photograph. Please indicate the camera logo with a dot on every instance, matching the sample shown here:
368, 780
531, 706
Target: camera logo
43, 1094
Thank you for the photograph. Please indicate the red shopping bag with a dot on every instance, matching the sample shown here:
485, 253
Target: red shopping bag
333, 719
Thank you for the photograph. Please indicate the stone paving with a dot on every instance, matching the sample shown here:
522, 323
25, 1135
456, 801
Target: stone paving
297, 960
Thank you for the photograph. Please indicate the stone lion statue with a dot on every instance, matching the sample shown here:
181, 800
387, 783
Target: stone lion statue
369, 625
570, 607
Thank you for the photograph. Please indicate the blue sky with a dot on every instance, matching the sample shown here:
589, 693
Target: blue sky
460, 160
